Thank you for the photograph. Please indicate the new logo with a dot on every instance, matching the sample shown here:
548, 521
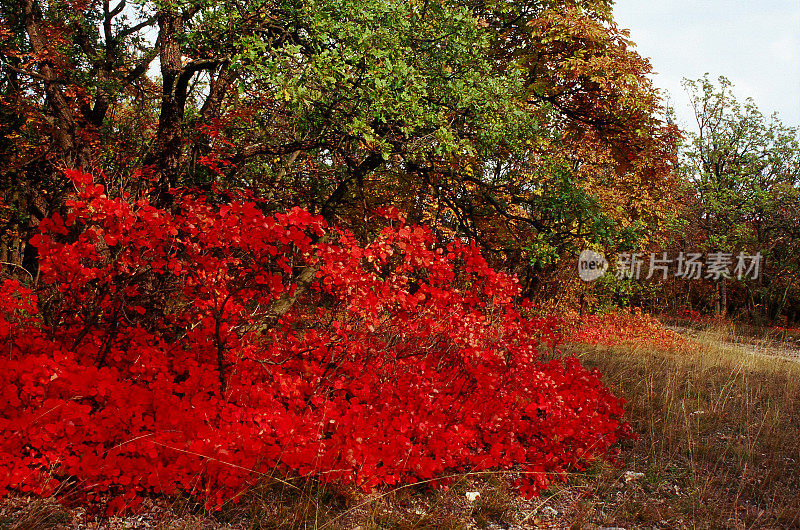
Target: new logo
591, 265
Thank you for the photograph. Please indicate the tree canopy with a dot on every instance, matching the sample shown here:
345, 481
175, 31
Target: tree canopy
742, 171
530, 126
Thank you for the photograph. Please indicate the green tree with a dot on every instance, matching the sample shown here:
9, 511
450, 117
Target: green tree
743, 173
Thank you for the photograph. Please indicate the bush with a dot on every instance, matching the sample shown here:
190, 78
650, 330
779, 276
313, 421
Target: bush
157, 354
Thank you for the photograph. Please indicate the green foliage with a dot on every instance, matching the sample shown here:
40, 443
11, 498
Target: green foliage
743, 177
397, 76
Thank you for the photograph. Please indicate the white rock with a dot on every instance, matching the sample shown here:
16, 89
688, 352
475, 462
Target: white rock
632, 475
549, 512
472, 496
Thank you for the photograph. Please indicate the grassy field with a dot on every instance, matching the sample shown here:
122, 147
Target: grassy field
719, 437
718, 423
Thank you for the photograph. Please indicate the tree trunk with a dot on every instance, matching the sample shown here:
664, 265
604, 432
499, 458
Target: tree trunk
74, 152
166, 156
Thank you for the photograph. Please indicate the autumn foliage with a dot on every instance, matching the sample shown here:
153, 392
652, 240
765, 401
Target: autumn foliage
150, 358
620, 327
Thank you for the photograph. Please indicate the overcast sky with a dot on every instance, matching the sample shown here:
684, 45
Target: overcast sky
754, 44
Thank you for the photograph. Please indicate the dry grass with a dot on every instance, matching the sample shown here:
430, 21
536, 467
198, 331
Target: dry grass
718, 447
719, 435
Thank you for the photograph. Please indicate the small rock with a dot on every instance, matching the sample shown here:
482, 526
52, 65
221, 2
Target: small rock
549, 512
632, 475
472, 496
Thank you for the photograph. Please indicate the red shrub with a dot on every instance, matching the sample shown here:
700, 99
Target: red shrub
157, 364
621, 327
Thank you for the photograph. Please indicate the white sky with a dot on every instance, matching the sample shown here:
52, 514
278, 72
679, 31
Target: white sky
755, 44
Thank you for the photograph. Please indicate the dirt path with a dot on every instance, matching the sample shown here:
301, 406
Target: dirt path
787, 349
